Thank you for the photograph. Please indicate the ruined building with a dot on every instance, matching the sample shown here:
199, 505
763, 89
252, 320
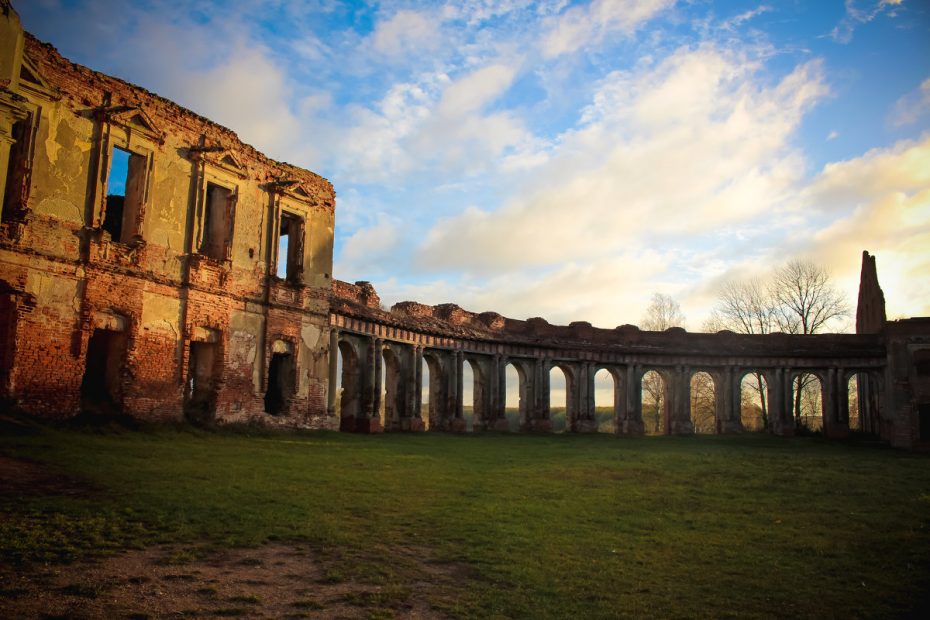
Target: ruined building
152, 264
139, 254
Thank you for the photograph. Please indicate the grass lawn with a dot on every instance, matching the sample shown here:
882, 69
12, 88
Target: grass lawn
537, 526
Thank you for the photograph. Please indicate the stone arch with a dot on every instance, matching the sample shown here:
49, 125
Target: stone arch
481, 392
350, 384
702, 404
394, 389
654, 384
865, 396
808, 406
524, 392
567, 420
614, 403
752, 387
436, 389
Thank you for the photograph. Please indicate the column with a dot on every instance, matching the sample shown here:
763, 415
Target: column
680, 402
458, 424
499, 405
378, 387
779, 388
585, 420
333, 371
633, 424
835, 405
728, 403
417, 411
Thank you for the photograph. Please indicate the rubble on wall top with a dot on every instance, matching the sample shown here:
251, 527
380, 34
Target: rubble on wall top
449, 320
89, 88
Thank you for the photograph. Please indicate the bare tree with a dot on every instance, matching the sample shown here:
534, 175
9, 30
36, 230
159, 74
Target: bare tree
662, 313
746, 307
703, 403
805, 300
799, 299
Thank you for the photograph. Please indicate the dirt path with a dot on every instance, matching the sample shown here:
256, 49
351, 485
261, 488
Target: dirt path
273, 581
171, 581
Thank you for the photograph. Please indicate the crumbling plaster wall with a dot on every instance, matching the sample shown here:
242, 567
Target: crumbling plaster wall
62, 269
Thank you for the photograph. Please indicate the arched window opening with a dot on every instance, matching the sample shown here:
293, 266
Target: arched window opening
852, 394
807, 402
703, 403
560, 399
754, 402
514, 404
393, 393
429, 403
655, 404
468, 395
605, 399
348, 392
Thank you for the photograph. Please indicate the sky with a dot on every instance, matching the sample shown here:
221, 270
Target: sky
564, 159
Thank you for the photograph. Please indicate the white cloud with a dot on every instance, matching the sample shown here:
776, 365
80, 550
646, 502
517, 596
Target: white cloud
912, 107
406, 32
861, 12
581, 26
883, 199
434, 122
694, 143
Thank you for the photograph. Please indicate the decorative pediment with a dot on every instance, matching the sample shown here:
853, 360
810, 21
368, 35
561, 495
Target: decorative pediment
219, 156
135, 120
292, 189
31, 80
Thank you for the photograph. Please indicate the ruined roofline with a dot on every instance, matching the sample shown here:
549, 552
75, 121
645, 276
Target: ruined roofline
88, 89
360, 301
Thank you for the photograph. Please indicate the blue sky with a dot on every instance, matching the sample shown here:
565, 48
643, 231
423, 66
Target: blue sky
564, 159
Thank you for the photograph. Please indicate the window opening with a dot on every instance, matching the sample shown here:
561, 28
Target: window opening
290, 247
125, 194
101, 390
217, 224
17, 169
922, 363
923, 412
280, 382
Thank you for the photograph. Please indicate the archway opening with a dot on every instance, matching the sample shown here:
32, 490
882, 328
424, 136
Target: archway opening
469, 382
101, 387
560, 402
754, 413
807, 401
280, 386
348, 391
852, 395
202, 377
605, 400
392, 391
867, 403
514, 403
432, 391
654, 403
703, 403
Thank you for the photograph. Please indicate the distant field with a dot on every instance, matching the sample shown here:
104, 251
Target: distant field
477, 526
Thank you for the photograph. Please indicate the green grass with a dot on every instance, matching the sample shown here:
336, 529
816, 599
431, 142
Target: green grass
537, 526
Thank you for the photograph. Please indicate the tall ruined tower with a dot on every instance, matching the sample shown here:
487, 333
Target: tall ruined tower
870, 312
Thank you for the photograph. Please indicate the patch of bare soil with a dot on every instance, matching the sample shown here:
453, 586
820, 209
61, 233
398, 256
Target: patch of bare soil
272, 581
24, 477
